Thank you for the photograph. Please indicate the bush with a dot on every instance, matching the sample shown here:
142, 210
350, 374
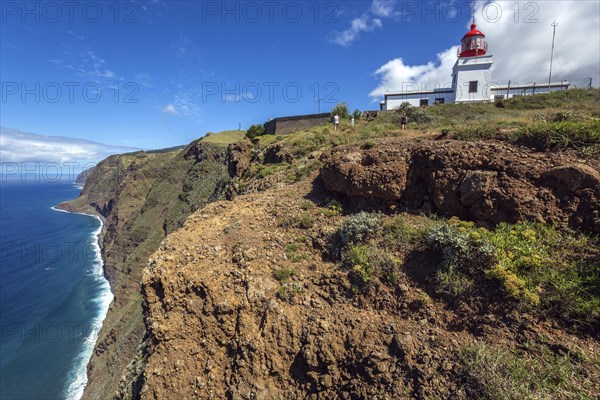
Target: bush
535, 264
360, 227
284, 274
358, 257
292, 253
255, 130
398, 232
357, 114
341, 109
305, 221
417, 115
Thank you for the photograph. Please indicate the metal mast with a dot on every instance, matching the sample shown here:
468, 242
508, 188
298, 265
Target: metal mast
554, 25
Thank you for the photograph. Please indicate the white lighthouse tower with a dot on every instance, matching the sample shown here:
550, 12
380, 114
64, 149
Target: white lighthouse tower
471, 74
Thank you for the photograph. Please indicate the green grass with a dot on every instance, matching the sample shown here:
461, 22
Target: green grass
293, 254
493, 372
537, 265
557, 120
398, 231
224, 138
560, 134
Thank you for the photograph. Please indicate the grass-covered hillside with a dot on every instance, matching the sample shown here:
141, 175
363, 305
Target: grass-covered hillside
559, 120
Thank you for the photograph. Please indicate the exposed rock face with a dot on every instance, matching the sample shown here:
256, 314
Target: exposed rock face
141, 197
487, 182
219, 327
238, 159
219, 330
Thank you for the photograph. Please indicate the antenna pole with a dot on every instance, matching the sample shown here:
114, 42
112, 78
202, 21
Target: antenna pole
554, 25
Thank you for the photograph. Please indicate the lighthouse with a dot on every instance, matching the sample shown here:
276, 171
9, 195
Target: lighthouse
471, 80
471, 74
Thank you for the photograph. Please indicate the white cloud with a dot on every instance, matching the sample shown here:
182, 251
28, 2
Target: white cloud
368, 22
170, 109
396, 75
358, 25
83, 62
383, 8
521, 49
18, 146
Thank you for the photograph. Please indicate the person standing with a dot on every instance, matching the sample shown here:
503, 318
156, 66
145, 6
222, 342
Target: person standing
403, 121
352, 121
336, 121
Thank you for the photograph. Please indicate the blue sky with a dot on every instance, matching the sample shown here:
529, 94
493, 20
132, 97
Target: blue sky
152, 74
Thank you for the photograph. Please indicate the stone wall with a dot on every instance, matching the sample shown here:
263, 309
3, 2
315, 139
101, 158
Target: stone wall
287, 125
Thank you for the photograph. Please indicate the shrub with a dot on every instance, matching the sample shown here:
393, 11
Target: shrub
284, 274
255, 130
414, 114
452, 282
305, 221
357, 114
367, 145
301, 170
287, 290
398, 232
360, 227
291, 252
261, 171
461, 246
384, 266
341, 110
367, 262
358, 257
333, 208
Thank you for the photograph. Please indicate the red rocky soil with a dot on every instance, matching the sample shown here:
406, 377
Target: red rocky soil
486, 182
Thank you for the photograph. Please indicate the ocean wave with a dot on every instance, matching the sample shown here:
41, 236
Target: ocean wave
77, 378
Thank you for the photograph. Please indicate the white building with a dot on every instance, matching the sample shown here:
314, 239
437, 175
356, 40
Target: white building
471, 80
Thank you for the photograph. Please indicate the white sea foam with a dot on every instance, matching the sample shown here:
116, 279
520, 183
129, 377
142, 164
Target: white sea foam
77, 379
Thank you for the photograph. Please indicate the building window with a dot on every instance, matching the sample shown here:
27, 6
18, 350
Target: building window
472, 86
423, 102
439, 100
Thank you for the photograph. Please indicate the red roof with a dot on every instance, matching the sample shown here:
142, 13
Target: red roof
473, 32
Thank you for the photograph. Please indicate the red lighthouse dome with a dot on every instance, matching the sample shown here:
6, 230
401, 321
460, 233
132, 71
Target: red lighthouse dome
473, 44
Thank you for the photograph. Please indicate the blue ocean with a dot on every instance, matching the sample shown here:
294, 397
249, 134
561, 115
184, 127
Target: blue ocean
53, 295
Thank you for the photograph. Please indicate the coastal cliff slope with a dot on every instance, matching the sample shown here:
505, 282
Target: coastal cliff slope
459, 262
278, 295
141, 197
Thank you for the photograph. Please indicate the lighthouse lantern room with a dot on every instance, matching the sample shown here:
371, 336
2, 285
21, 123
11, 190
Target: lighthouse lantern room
473, 44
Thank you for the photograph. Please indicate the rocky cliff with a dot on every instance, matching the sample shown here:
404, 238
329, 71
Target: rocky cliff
486, 182
141, 197
261, 298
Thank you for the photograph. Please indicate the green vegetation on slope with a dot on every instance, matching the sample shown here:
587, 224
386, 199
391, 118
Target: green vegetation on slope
535, 266
557, 120
535, 372
224, 138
